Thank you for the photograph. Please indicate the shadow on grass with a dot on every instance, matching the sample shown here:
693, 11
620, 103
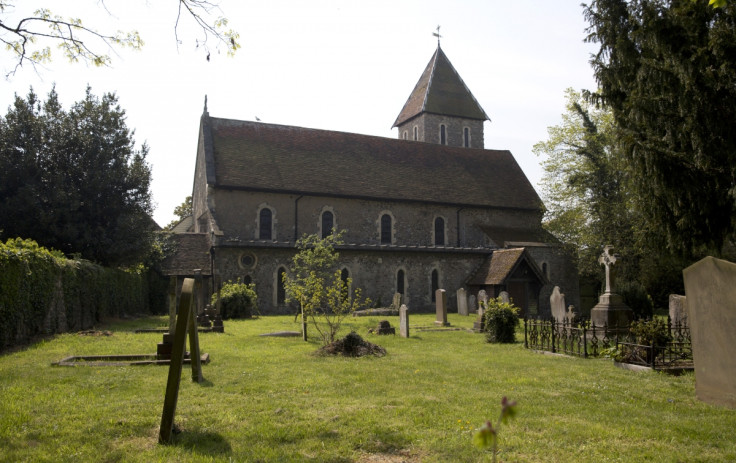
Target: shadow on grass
203, 443
384, 441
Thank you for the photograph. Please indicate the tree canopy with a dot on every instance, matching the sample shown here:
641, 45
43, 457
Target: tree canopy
667, 71
27, 38
73, 180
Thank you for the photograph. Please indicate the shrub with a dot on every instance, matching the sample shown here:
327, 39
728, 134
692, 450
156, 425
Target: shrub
237, 300
500, 320
654, 333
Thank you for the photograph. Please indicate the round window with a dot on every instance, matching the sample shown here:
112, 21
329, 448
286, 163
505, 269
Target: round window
247, 260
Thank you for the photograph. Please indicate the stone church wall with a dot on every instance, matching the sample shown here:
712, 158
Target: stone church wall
375, 272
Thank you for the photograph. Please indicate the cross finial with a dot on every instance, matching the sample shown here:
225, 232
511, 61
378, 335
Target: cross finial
607, 259
437, 34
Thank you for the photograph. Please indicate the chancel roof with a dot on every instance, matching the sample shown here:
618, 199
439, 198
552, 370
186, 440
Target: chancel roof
275, 158
440, 90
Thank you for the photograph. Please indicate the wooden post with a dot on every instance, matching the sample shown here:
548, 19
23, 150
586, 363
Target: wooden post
172, 305
177, 360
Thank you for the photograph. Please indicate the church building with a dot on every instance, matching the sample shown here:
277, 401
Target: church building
431, 209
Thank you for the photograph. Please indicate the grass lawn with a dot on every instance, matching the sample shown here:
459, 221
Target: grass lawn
270, 399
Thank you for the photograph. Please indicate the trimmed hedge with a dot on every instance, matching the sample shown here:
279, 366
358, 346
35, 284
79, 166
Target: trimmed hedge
42, 292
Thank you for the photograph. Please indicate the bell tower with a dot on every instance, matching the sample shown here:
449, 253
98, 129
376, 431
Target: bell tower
441, 108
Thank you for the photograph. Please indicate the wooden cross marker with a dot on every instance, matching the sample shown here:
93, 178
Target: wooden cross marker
185, 322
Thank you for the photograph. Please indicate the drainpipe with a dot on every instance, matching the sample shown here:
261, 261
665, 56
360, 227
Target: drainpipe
458, 226
296, 218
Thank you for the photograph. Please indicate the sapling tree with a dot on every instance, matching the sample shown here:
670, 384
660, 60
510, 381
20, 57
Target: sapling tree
487, 435
317, 285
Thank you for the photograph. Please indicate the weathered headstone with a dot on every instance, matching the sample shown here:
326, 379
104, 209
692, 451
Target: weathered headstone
441, 307
404, 321
611, 310
678, 308
504, 296
472, 304
462, 302
396, 302
384, 327
710, 287
557, 303
482, 301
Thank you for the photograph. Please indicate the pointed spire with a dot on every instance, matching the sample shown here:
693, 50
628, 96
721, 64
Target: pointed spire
441, 90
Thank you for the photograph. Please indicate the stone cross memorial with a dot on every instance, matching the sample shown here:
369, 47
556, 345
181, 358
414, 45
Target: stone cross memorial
611, 311
404, 321
441, 306
462, 302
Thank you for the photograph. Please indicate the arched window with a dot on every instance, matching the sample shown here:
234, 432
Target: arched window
247, 280
443, 134
280, 289
405, 135
545, 270
386, 227
435, 284
344, 276
466, 137
264, 231
416, 133
439, 231
400, 282
328, 223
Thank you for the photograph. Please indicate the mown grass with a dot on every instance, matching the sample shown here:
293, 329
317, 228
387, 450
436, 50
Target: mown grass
271, 399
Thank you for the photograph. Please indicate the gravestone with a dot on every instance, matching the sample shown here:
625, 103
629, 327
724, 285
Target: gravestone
482, 301
462, 302
504, 296
384, 327
710, 287
557, 303
441, 307
404, 321
396, 303
678, 308
611, 310
472, 304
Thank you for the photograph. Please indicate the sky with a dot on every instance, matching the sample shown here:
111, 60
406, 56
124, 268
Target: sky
326, 64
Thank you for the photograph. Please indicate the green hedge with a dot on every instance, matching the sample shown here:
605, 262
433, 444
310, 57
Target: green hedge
42, 292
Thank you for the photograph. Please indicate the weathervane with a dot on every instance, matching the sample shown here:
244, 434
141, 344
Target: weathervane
437, 34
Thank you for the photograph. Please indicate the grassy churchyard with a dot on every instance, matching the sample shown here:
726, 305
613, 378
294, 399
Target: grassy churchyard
270, 399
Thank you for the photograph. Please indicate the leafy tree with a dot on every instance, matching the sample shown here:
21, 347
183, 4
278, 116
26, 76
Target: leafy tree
585, 185
667, 70
182, 211
24, 37
73, 180
325, 298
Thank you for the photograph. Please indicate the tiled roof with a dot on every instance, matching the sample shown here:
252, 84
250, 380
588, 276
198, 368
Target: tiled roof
440, 90
502, 235
501, 264
192, 251
185, 225
268, 157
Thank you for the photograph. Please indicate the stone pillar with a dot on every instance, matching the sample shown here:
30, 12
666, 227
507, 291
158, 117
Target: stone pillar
404, 321
441, 306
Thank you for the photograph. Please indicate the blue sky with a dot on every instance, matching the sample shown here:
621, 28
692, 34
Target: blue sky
326, 64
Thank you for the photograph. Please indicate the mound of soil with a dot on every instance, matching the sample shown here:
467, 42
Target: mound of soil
352, 345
